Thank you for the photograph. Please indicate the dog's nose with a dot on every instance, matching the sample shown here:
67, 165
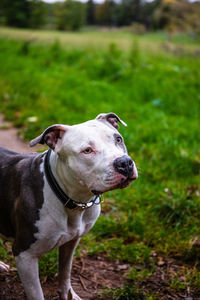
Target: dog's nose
124, 165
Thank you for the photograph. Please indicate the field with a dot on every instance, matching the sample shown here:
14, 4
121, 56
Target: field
154, 86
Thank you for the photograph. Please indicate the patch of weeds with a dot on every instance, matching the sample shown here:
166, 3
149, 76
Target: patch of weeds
55, 49
6, 253
177, 209
134, 225
108, 227
115, 248
112, 66
48, 265
177, 284
3, 251
194, 278
139, 273
186, 278
134, 55
128, 292
191, 254
4, 127
25, 48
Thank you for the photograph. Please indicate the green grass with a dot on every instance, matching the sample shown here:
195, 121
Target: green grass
101, 39
157, 95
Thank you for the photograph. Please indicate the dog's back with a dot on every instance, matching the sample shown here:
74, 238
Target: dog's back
18, 175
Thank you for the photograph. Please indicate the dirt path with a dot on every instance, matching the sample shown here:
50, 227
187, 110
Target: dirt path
90, 275
10, 139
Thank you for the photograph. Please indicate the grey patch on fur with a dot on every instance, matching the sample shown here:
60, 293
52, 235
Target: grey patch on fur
21, 197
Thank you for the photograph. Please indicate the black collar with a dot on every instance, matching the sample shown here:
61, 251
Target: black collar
66, 200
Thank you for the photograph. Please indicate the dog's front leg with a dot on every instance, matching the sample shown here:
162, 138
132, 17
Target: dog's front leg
27, 267
66, 252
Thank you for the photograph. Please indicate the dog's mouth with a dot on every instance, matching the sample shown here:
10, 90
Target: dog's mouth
125, 182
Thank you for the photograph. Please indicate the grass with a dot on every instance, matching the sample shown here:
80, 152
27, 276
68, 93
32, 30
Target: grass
88, 40
157, 94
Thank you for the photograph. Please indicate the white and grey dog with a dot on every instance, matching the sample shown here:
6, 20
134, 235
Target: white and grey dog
51, 199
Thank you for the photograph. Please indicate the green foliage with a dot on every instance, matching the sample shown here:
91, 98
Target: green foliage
23, 13
90, 12
127, 293
15, 12
135, 16
70, 15
38, 14
176, 209
178, 15
105, 13
48, 265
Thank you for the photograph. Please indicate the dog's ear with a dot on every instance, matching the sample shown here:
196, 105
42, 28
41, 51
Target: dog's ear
51, 136
112, 118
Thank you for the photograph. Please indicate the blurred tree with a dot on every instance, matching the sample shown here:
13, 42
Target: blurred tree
125, 12
15, 12
49, 15
129, 11
106, 13
147, 12
136, 6
70, 15
178, 15
38, 12
60, 15
90, 12
23, 13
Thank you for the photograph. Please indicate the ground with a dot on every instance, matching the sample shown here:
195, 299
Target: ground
89, 277
10, 139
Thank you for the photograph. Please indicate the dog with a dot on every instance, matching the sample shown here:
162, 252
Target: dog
51, 199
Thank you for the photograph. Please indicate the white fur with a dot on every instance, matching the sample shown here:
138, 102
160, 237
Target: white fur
80, 173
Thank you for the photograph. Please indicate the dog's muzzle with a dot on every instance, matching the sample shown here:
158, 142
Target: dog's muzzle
124, 165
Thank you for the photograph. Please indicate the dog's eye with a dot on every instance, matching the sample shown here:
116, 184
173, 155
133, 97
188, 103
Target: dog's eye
119, 139
88, 150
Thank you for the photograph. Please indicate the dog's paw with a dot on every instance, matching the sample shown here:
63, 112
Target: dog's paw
4, 267
71, 295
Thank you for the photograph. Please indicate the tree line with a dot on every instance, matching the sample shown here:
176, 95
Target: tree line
140, 15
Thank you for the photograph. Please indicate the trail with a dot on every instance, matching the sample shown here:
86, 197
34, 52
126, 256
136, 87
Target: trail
10, 139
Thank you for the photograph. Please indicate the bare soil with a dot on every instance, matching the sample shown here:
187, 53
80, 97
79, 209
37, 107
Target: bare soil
90, 275
10, 139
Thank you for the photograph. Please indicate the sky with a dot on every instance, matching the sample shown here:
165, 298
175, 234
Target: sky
51, 1
98, 1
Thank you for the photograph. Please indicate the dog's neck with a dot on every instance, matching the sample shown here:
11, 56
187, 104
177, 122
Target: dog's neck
74, 189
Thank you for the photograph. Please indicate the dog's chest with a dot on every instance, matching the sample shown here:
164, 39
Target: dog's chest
56, 229
57, 225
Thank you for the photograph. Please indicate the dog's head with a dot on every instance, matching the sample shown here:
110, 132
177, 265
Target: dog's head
91, 153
